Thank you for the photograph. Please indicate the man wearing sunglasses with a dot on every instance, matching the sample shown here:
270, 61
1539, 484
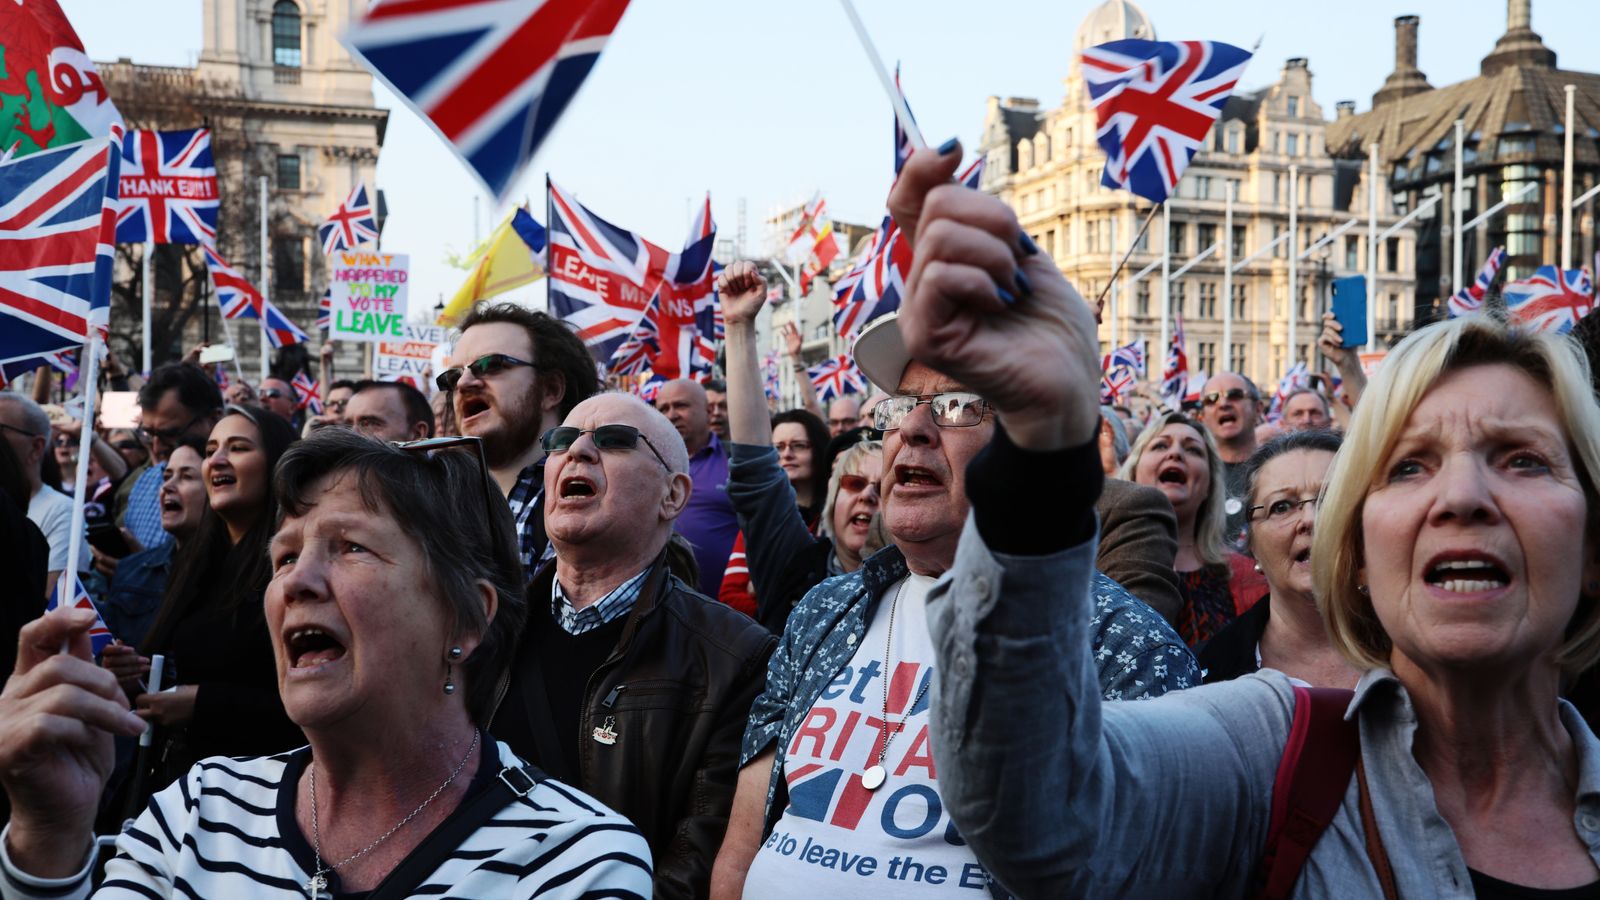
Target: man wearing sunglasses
179, 399
512, 375
1231, 410
278, 396
627, 683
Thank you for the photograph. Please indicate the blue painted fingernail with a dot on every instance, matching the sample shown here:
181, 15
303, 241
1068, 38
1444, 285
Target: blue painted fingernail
948, 146
1024, 286
1028, 246
1005, 296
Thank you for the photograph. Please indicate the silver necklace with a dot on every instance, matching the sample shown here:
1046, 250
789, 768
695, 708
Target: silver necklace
874, 777
318, 883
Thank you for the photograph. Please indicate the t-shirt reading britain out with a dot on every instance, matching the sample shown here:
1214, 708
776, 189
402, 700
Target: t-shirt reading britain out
838, 839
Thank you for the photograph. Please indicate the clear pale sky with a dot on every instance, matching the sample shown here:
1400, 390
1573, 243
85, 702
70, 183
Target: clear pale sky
769, 101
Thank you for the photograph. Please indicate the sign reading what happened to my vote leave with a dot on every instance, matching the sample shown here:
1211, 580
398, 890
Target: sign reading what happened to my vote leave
369, 296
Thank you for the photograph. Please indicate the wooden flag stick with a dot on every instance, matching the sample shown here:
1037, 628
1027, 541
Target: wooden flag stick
1131, 247
901, 111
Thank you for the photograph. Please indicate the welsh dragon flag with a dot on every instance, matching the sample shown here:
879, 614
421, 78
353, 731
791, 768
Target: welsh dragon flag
50, 93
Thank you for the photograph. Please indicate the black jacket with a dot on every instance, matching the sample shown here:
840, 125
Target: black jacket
677, 691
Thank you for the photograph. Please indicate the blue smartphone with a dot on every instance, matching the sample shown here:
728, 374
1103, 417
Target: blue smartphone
1350, 309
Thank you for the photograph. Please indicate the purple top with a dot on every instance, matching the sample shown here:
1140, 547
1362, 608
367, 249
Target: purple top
709, 522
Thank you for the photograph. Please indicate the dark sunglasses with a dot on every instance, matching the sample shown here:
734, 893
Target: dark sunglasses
270, 394
168, 434
128, 445
1234, 394
606, 437
482, 367
855, 484
429, 446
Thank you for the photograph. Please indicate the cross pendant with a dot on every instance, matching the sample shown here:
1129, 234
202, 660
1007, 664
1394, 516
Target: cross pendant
317, 888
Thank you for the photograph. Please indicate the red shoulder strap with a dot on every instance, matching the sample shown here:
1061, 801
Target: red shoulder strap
1313, 775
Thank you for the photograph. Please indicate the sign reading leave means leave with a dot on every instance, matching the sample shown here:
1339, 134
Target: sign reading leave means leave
369, 296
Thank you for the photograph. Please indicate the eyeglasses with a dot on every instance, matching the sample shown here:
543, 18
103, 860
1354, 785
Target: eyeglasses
270, 394
951, 409
606, 437
482, 367
335, 405
796, 446
430, 446
1233, 394
855, 484
22, 431
1279, 512
167, 434
128, 445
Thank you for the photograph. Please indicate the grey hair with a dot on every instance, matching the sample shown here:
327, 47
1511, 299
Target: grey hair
33, 415
1119, 433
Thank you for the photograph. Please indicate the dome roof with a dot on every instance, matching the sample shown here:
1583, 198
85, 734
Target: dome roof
1113, 20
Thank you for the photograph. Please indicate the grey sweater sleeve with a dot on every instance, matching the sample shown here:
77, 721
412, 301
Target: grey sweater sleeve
769, 515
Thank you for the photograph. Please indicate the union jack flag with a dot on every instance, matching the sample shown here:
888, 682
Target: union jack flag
1296, 378
1154, 103
168, 188
650, 388
1550, 300
351, 225
1175, 379
1113, 385
490, 76
220, 373
634, 355
237, 298
57, 223
902, 140
1131, 355
325, 309
99, 635
1470, 298
836, 376
308, 393
769, 376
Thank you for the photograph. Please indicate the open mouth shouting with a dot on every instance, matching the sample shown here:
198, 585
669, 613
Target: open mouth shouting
222, 479
473, 405
1173, 474
576, 487
310, 648
915, 479
1467, 573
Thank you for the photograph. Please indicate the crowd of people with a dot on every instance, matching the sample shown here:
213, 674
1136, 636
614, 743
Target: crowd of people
537, 636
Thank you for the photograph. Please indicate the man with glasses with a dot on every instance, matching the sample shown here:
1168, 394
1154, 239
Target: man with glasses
179, 399
513, 375
1230, 410
628, 684
836, 753
843, 415
278, 396
27, 427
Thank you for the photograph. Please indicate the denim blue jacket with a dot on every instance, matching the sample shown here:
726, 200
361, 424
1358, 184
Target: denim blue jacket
1137, 654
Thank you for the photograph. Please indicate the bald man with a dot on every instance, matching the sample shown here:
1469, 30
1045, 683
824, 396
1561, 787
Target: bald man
709, 522
627, 683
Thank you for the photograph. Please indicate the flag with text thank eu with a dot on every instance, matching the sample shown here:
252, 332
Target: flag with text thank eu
351, 225
601, 276
100, 636
50, 93
168, 189
237, 298
1470, 299
57, 222
1550, 299
836, 376
1154, 102
490, 76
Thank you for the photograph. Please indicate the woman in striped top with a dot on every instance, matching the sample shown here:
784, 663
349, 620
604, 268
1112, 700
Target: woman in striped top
393, 603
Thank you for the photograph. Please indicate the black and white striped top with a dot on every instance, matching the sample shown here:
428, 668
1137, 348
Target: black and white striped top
227, 829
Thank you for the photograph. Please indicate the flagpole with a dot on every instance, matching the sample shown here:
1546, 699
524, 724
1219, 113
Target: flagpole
90, 369
1132, 245
1166, 269
227, 330
266, 278
1455, 211
1566, 186
1111, 283
1372, 247
1227, 275
1293, 352
901, 111
147, 288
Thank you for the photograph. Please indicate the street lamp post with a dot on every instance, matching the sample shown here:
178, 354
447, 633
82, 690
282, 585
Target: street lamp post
1323, 300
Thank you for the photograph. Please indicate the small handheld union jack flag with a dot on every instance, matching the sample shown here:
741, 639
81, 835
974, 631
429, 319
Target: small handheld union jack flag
325, 309
836, 376
1130, 355
1154, 103
100, 636
351, 225
1175, 379
1113, 385
1296, 378
1550, 300
1470, 299
308, 393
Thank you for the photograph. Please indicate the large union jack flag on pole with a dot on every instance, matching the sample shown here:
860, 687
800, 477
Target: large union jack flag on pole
836, 376
1551, 299
351, 225
1175, 380
168, 188
490, 76
1470, 299
237, 298
57, 224
1154, 103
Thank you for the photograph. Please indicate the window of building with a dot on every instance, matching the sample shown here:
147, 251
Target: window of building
286, 34
1176, 298
1208, 356
1208, 299
1294, 145
1303, 307
1277, 248
1066, 240
1294, 109
1277, 188
1352, 252
1392, 322
1238, 303
1277, 142
1236, 358
1141, 299
1391, 255
288, 172
1202, 187
1208, 236
1232, 140
1175, 238
1239, 242
1091, 233
1049, 244
288, 264
1305, 190
1143, 244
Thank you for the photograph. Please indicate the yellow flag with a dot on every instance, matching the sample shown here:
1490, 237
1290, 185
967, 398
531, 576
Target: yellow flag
512, 257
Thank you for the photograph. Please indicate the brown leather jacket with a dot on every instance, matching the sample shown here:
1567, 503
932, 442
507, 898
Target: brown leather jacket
677, 689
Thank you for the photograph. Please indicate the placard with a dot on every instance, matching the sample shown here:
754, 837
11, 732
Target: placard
369, 296
409, 359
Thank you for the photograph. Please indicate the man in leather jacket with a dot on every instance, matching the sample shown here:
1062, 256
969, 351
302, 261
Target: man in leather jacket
627, 683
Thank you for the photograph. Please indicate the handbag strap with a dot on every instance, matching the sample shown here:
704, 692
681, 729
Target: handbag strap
512, 783
1369, 825
1313, 774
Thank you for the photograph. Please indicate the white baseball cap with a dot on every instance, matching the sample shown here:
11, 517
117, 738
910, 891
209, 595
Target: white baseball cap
880, 352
